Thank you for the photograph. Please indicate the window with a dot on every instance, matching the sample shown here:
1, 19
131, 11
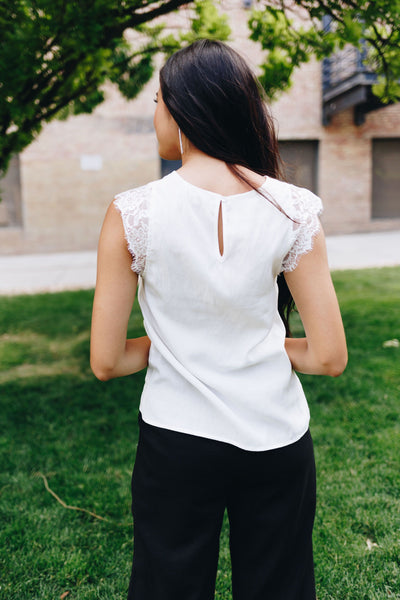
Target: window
386, 178
300, 161
10, 194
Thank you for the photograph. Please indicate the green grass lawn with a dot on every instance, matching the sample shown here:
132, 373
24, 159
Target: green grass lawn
57, 421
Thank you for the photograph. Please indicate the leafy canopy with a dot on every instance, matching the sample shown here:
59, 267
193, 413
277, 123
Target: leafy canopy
57, 54
291, 31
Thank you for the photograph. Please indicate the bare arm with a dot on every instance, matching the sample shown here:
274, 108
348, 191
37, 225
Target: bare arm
111, 354
323, 351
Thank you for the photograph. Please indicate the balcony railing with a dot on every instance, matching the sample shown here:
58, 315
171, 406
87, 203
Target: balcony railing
347, 83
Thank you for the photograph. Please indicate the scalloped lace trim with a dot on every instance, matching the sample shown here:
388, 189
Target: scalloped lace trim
134, 208
305, 209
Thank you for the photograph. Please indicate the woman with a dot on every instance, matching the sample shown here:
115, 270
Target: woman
223, 417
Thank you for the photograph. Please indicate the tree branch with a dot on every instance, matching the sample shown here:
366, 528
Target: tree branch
89, 512
143, 17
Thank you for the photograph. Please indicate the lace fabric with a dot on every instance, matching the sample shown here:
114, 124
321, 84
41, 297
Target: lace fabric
304, 207
300, 204
133, 206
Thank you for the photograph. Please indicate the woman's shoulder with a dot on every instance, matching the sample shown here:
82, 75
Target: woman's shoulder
286, 189
142, 191
298, 202
133, 195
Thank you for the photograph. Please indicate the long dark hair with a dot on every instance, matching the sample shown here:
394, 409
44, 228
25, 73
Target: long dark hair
219, 105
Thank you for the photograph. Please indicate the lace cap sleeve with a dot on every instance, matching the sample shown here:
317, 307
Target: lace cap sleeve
133, 206
304, 210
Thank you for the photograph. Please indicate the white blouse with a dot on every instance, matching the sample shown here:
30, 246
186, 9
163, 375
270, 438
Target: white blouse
217, 365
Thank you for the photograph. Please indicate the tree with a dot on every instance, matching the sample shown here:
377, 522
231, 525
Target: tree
372, 26
57, 54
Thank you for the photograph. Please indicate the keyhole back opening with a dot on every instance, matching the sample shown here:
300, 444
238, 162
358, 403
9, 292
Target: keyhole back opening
220, 231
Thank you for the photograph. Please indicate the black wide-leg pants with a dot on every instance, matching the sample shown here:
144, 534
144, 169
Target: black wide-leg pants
181, 485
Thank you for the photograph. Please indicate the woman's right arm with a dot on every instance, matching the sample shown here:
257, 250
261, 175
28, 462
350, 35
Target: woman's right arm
323, 350
111, 354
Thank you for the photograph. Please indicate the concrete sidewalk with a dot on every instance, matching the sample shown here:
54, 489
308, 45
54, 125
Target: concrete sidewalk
33, 273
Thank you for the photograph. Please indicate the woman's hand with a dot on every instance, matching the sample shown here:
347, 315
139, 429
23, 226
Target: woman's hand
111, 354
323, 351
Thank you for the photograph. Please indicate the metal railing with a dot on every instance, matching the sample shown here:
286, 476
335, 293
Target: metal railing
347, 81
344, 65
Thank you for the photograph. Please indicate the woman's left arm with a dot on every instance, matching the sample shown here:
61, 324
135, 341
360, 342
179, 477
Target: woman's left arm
111, 354
323, 351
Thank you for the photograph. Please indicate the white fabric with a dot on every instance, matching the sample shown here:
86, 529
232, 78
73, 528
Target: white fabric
217, 364
133, 206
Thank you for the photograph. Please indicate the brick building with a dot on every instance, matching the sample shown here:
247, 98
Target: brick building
56, 192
